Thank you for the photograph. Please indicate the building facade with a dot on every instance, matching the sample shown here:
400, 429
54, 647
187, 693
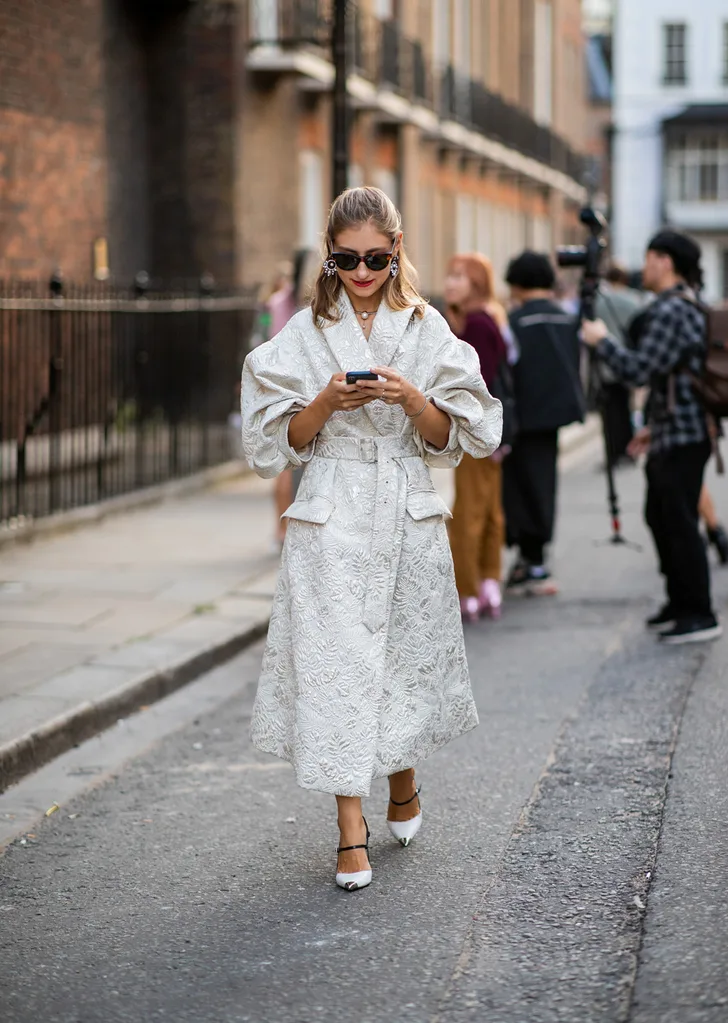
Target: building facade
471, 114
671, 129
194, 136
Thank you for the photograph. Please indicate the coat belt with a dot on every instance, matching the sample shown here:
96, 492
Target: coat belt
384, 552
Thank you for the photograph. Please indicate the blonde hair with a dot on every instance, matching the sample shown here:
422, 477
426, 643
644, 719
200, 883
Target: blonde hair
354, 207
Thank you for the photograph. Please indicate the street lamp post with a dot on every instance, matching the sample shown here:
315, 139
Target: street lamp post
340, 119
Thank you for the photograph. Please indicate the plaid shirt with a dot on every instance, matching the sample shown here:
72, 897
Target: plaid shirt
675, 335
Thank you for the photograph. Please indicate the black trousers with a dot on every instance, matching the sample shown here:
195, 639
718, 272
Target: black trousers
614, 403
674, 482
529, 493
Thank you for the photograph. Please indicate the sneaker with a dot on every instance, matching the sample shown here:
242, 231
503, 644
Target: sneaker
692, 630
719, 539
662, 621
540, 582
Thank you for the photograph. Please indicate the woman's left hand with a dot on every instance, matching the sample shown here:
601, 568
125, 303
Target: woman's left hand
393, 389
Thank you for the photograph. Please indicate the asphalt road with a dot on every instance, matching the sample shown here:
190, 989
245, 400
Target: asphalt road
572, 865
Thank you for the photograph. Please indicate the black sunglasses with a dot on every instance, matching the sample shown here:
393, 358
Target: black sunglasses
349, 261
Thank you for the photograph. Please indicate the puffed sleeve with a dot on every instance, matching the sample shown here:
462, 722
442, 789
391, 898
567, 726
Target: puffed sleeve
457, 387
271, 395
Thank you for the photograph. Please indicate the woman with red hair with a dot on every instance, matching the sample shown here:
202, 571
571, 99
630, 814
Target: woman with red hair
477, 528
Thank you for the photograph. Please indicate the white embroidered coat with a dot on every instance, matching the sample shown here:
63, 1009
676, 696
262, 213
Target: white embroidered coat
364, 672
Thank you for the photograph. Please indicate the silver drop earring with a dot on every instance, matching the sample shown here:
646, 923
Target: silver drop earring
394, 266
329, 267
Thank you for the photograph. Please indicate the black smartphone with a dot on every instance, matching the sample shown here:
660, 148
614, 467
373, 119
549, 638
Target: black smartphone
351, 378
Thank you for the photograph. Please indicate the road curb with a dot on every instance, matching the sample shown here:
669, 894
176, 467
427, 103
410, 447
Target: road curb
49, 740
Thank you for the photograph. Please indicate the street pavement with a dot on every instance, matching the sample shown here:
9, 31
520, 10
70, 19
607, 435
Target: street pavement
96, 622
571, 867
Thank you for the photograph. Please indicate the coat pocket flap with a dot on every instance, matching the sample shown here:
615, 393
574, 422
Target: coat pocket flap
310, 509
423, 504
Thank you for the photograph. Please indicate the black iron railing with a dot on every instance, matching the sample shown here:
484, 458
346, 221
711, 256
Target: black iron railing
391, 56
290, 22
104, 391
380, 52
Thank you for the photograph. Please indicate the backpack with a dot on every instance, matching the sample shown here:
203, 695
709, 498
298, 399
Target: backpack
504, 390
712, 384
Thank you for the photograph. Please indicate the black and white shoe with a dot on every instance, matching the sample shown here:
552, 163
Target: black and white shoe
530, 581
662, 621
692, 630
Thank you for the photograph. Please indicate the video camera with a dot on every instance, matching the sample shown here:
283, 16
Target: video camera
587, 257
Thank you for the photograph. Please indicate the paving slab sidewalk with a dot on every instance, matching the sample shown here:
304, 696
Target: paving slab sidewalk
98, 622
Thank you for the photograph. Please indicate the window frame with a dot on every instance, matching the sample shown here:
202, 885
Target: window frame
696, 163
669, 62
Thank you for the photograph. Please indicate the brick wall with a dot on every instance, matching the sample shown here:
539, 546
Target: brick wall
53, 191
117, 120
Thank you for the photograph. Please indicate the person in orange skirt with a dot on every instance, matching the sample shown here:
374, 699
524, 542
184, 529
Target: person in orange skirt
477, 529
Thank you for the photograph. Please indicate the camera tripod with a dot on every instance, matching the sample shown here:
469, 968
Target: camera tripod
587, 311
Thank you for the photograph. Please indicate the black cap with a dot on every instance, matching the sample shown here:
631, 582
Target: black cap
531, 271
684, 253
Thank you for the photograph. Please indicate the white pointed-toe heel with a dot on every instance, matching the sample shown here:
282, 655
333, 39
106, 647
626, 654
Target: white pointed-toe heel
405, 831
360, 878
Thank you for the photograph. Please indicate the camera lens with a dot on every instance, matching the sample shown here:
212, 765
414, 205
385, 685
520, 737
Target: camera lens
571, 255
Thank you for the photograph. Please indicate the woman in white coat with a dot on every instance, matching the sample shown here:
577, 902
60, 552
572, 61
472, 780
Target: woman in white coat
364, 673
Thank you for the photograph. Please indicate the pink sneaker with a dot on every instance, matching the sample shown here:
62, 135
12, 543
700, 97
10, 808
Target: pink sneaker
491, 599
470, 609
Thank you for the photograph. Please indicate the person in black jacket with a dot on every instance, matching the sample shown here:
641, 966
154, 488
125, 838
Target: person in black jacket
548, 396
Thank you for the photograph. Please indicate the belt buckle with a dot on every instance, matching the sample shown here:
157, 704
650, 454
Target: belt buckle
367, 449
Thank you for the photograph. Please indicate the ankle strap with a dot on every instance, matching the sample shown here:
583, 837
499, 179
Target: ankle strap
348, 848
395, 803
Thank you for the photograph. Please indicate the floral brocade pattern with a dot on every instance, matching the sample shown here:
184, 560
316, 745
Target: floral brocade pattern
364, 671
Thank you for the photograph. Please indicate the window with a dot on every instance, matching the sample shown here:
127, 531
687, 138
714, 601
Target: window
543, 62
725, 274
356, 175
264, 20
697, 167
465, 240
441, 33
311, 217
725, 52
463, 37
387, 180
675, 38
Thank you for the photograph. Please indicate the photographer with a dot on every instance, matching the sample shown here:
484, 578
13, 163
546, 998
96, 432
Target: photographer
671, 348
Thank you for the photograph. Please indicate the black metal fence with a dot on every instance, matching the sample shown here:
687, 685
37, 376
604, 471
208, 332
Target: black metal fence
103, 391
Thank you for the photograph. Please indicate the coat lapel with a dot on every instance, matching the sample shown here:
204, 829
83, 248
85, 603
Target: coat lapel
352, 352
387, 332
346, 340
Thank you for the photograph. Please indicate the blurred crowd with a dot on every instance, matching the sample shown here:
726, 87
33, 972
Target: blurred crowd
531, 358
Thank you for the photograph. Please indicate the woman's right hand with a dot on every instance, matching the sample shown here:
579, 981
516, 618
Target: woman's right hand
338, 396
